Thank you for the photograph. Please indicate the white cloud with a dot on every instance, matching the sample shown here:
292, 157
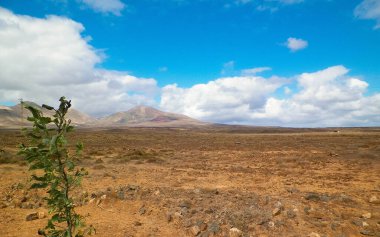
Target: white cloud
254, 71
295, 44
225, 99
329, 97
43, 59
105, 6
369, 9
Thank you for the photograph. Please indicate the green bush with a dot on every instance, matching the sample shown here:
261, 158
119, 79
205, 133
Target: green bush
48, 152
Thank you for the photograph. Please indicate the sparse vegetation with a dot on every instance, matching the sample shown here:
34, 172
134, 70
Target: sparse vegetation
48, 152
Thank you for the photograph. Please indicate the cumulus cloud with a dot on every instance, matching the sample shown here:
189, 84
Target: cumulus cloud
295, 44
105, 6
226, 99
369, 9
44, 58
329, 97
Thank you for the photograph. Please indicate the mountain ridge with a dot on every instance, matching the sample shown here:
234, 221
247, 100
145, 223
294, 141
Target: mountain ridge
138, 116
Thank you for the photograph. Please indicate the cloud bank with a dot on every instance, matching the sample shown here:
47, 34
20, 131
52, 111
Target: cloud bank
42, 59
330, 97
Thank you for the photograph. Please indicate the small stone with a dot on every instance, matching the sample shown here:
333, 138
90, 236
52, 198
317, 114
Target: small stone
32, 216
169, 217
157, 192
313, 234
185, 204
235, 232
103, 197
276, 211
214, 227
195, 230
373, 199
137, 223
367, 215
312, 197
41, 215
367, 232
270, 224
291, 214
357, 222
142, 210
365, 224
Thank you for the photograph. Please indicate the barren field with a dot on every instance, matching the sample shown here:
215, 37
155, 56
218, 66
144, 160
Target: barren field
211, 182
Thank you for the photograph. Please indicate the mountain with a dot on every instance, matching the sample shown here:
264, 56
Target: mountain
10, 117
140, 116
143, 116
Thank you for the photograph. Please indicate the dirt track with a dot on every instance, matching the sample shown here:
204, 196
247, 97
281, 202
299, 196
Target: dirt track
171, 182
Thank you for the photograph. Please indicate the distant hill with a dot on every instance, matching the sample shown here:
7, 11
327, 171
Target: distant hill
10, 117
143, 116
140, 116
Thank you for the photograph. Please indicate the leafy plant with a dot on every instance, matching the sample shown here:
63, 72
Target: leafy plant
48, 152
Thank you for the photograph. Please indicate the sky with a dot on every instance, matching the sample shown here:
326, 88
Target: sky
294, 63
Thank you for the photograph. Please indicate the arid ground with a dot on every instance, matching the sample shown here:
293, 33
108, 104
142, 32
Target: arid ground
211, 182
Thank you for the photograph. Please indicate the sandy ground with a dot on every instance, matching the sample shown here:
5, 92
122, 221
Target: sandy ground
178, 182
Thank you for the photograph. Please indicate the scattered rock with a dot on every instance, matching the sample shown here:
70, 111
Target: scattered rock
169, 217
365, 224
374, 199
142, 210
276, 211
367, 232
271, 224
312, 197
291, 214
214, 227
185, 203
195, 230
235, 232
313, 234
137, 223
357, 222
367, 215
35, 216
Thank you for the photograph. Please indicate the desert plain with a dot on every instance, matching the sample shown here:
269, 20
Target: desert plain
210, 181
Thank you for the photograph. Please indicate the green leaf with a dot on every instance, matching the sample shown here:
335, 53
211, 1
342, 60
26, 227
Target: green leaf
39, 185
47, 107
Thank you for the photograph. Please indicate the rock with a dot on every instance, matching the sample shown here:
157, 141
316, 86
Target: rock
367, 215
103, 197
313, 234
137, 223
185, 204
35, 216
214, 227
157, 192
41, 215
195, 230
169, 217
357, 222
235, 232
365, 224
367, 232
374, 200
142, 210
276, 211
271, 224
312, 197
291, 214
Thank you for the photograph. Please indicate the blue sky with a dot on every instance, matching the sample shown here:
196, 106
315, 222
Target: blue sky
193, 44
